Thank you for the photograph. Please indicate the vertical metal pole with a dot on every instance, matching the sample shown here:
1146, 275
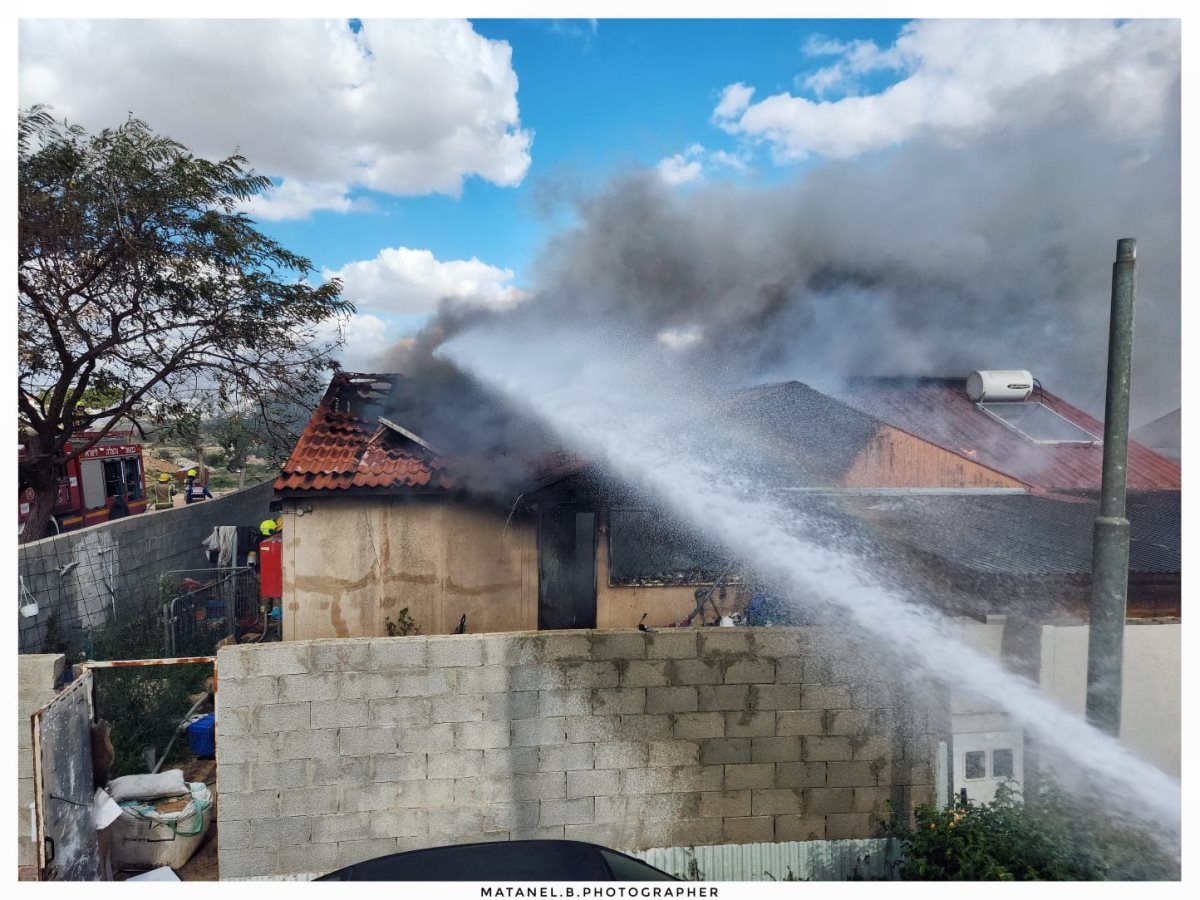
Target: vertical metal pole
1110, 543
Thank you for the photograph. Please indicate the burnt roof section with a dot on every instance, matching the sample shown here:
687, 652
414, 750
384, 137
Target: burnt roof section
938, 410
1023, 535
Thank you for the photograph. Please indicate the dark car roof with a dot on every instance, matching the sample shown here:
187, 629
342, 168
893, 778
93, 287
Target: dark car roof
500, 861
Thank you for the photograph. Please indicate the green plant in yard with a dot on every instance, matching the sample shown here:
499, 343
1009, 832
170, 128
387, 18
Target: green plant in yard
1047, 834
403, 626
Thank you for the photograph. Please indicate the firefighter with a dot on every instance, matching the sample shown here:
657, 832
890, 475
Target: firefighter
164, 492
195, 492
269, 527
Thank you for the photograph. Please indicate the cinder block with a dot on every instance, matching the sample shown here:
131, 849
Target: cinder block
510, 707
300, 688
396, 823
567, 757
750, 671
779, 642
695, 671
775, 696
509, 649
748, 830
826, 800
775, 749
308, 857
341, 770
482, 735
848, 826
577, 702
277, 832
642, 728
697, 779
606, 835
799, 722
748, 724
239, 720
745, 776
398, 653
266, 776
233, 834
542, 786
400, 767
504, 762
232, 777
698, 725
241, 748
367, 686
874, 746
722, 642
536, 677
645, 673
818, 670
674, 753
671, 700
455, 651
458, 708
589, 729
776, 801
723, 697
249, 805
424, 794
671, 644
454, 764
286, 658
682, 832
873, 695
554, 647
872, 800
342, 827
509, 816
789, 670
718, 751
850, 774
580, 811
719, 804
425, 683
240, 692
646, 781
483, 680
431, 738
539, 732
243, 863
800, 774
351, 852
407, 712
849, 721
342, 655
799, 828
547, 833
319, 800
827, 749
234, 662
821, 696
621, 754
369, 740
618, 701
618, 645
356, 798
339, 713
590, 675
593, 783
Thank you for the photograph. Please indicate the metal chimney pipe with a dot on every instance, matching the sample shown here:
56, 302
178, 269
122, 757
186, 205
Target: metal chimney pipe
1110, 540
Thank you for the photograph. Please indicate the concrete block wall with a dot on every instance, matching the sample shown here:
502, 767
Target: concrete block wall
82, 574
334, 751
37, 674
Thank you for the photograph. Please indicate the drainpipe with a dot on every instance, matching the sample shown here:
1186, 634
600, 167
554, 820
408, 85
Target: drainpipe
1110, 541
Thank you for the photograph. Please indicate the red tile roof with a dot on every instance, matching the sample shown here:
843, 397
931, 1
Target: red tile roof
939, 410
345, 446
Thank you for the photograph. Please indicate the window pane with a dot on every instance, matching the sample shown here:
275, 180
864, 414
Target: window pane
975, 764
133, 479
1002, 764
114, 481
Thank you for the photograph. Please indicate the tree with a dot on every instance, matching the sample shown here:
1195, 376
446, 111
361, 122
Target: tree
139, 278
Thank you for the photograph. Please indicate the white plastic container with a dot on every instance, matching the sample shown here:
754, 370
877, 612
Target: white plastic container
146, 844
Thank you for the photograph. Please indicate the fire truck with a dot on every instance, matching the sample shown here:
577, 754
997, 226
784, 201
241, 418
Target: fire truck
106, 481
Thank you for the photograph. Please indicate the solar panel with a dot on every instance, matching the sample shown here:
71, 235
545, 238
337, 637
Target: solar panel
1038, 422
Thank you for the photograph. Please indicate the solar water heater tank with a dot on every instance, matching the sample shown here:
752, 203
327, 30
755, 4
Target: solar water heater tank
1012, 385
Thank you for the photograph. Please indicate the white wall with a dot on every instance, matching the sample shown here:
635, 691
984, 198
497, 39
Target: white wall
1151, 684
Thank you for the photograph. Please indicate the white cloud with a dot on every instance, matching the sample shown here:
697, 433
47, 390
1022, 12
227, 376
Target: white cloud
367, 340
967, 78
404, 107
693, 162
402, 281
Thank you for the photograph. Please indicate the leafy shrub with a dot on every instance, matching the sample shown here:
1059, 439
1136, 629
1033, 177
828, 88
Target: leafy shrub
403, 626
1045, 835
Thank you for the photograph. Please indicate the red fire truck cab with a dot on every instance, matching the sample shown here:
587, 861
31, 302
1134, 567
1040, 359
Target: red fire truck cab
106, 481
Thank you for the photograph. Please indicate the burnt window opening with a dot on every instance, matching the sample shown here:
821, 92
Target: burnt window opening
1002, 764
647, 547
975, 764
1037, 422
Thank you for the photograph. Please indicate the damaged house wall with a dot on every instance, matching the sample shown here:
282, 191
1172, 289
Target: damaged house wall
336, 751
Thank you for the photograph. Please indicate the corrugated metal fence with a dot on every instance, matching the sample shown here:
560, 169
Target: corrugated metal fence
861, 860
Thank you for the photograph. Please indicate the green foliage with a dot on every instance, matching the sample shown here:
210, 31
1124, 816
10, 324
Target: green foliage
142, 286
1047, 835
403, 626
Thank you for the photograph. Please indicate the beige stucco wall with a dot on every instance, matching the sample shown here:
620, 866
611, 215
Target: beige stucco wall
350, 563
1150, 681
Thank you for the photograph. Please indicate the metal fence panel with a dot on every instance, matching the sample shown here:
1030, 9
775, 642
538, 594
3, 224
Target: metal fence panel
201, 607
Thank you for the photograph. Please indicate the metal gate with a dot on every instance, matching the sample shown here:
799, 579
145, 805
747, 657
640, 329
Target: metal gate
203, 606
64, 830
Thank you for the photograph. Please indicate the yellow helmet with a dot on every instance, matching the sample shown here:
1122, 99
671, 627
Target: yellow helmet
192, 473
164, 477
268, 527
